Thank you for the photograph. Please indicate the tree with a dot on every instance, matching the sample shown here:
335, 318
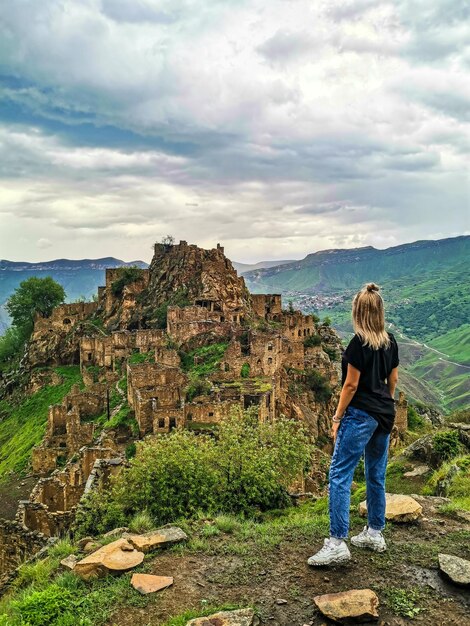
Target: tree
34, 295
168, 240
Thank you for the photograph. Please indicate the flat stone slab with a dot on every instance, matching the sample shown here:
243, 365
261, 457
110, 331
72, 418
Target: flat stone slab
116, 557
398, 508
349, 607
240, 617
419, 470
156, 538
147, 583
457, 569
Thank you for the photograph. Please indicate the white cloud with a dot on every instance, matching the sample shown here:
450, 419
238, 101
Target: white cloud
290, 124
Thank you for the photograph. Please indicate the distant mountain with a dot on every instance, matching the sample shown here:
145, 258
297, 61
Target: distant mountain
331, 270
80, 278
242, 268
69, 264
427, 294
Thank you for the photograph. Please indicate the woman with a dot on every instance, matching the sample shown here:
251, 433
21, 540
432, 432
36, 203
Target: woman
362, 425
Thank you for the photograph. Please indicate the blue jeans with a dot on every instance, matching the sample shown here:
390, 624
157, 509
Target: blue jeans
358, 434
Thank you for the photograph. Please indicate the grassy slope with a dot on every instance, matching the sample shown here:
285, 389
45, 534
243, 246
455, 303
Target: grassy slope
22, 426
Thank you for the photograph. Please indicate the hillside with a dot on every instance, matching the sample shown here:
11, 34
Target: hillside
427, 293
79, 278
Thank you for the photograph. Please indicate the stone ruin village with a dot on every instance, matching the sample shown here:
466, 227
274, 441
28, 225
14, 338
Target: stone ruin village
177, 346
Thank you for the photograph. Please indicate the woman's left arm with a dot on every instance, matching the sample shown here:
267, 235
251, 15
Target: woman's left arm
347, 394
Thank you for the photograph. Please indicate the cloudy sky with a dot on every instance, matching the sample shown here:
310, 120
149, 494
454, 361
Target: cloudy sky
276, 127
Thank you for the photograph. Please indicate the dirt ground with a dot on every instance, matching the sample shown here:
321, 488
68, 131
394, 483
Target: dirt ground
263, 579
13, 490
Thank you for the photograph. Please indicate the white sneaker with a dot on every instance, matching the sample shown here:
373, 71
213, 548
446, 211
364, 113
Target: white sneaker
330, 553
365, 540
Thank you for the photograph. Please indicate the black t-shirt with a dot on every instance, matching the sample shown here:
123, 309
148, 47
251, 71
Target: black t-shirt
372, 395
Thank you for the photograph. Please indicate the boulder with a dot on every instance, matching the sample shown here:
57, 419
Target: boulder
116, 557
455, 568
240, 617
419, 470
423, 450
399, 508
116, 532
81, 543
91, 546
156, 538
69, 562
147, 583
348, 607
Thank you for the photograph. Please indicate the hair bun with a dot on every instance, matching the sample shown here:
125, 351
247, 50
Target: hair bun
372, 287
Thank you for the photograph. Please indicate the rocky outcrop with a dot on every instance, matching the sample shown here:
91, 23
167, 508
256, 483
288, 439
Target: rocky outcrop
349, 607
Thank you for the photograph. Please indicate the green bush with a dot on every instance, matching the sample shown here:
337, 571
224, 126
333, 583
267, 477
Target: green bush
127, 276
332, 353
446, 444
248, 466
245, 371
205, 360
312, 340
318, 383
197, 387
415, 421
43, 607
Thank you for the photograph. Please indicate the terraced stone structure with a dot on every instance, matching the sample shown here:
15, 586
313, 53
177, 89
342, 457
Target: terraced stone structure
178, 346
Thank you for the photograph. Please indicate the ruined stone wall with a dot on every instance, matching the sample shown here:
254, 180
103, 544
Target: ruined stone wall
17, 544
268, 306
185, 323
105, 351
401, 415
296, 326
152, 375
63, 317
65, 431
208, 411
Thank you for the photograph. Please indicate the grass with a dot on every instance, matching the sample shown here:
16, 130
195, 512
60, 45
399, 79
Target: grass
141, 357
141, 522
183, 618
22, 425
404, 602
203, 361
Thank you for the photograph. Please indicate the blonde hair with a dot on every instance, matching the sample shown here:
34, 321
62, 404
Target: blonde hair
368, 317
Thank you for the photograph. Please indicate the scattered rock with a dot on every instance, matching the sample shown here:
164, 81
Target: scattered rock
399, 508
457, 569
146, 583
109, 559
116, 532
241, 617
82, 542
91, 546
347, 607
69, 562
156, 538
281, 601
419, 470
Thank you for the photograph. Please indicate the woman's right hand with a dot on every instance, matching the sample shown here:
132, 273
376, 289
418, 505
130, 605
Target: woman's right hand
334, 431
